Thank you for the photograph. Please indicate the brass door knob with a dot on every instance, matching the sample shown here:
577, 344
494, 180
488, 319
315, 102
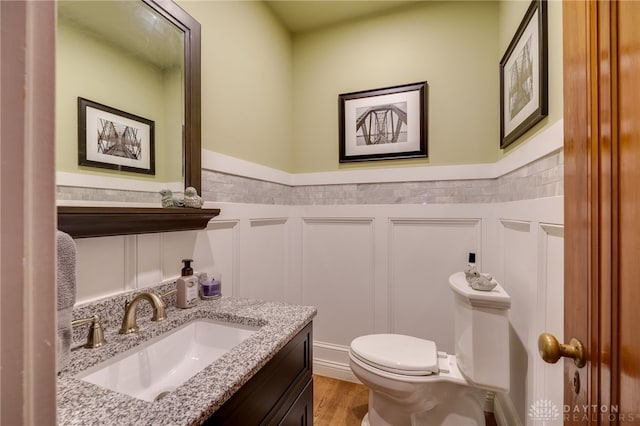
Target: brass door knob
551, 351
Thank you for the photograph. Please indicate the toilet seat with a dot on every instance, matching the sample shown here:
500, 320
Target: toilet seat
397, 353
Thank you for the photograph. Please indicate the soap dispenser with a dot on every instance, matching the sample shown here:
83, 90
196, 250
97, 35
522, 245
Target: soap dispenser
187, 287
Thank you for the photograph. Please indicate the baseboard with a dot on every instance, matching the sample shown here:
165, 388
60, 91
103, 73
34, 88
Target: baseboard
505, 412
332, 360
334, 370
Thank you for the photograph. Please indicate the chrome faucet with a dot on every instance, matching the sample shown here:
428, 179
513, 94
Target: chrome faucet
129, 319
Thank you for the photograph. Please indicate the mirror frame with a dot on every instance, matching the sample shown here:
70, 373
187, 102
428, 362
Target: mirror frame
192, 127
82, 222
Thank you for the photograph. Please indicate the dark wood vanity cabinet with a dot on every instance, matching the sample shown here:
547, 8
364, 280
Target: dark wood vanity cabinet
301, 412
280, 393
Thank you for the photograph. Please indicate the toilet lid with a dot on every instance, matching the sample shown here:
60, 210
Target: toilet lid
397, 353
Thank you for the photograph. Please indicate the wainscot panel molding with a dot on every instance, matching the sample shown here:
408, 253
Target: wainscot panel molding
368, 268
423, 253
517, 244
103, 267
225, 254
548, 384
516, 225
264, 243
530, 244
267, 221
338, 271
146, 251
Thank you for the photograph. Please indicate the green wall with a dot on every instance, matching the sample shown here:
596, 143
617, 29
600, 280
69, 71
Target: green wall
89, 68
271, 98
451, 45
246, 81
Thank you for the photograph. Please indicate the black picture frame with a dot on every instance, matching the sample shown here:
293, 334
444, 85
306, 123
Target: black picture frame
383, 124
524, 71
109, 138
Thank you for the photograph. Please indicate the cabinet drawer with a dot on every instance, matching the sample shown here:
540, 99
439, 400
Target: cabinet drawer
301, 412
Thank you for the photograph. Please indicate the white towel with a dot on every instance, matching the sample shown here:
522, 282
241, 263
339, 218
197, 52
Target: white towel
66, 290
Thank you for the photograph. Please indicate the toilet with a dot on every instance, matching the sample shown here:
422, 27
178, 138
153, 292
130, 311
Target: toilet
411, 383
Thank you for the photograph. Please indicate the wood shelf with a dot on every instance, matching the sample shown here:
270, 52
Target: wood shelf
85, 222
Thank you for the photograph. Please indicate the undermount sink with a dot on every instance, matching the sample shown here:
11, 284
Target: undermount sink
157, 367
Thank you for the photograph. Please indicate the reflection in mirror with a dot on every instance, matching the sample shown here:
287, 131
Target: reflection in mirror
128, 56
140, 86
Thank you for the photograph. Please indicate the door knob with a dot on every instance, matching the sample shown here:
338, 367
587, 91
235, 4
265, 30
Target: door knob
551, 351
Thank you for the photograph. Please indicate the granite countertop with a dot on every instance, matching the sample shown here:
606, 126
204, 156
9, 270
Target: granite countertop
83, 403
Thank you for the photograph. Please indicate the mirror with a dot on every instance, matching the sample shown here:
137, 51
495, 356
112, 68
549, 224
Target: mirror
138, 65
135, 57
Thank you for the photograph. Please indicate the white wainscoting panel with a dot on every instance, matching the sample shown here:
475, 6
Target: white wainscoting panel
338, 276
423, 254
368, 269
549, 384
530, 247
148, 256
518, 245
264, 259
224, 237
175, 247
100, 267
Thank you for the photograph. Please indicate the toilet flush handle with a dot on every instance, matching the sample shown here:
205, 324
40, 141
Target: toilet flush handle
551, 351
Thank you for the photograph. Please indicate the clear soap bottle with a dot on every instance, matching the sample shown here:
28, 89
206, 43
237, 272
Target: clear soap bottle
187, 286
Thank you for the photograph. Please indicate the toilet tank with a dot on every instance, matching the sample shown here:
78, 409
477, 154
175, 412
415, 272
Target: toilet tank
481, 333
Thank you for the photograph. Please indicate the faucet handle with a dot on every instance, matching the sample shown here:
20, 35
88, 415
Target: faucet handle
95, 337
169, 293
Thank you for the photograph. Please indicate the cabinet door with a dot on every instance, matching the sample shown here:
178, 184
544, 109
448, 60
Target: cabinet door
301, 412
271, 392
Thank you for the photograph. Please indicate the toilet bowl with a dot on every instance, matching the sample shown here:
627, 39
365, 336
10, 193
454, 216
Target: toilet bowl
412, 384
396, 399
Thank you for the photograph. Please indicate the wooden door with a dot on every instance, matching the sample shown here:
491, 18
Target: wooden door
602, 207
27, 214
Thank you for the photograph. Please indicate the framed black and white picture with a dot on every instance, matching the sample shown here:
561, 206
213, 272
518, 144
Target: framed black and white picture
109, 138
381, 124
523, 76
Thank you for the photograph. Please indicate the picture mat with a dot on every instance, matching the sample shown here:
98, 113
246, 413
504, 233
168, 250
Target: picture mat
412, 99
531, 32
92, 116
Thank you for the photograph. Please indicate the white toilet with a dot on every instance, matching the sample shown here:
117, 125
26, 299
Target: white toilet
412, 384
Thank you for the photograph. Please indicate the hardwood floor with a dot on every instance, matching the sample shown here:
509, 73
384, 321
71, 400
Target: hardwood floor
338, 403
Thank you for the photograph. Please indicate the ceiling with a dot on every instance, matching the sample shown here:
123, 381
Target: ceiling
306, 15
129, 26
148, 36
